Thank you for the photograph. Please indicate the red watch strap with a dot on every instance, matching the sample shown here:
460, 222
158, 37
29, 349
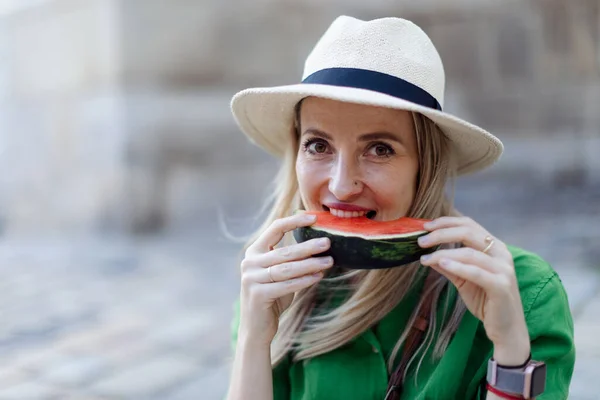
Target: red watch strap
503, 394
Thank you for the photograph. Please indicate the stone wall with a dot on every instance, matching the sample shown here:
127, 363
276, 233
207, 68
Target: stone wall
115, 112
60, 129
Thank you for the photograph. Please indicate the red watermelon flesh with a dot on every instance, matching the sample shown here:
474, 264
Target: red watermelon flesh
368, 228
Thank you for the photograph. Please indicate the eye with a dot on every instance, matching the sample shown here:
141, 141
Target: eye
315, 146
318, 147
381, 150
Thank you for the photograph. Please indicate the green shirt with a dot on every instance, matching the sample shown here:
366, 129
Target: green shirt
357, 370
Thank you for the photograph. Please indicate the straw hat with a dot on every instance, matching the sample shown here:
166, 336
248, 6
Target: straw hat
388, 62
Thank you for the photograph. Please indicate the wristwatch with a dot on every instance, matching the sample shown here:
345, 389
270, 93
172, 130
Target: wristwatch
527, 380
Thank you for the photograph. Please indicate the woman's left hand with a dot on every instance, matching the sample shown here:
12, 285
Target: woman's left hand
484, 274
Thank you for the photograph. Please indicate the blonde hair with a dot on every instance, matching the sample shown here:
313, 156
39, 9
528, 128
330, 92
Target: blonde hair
307, 328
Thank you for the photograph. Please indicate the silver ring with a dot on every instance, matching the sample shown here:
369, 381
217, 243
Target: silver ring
270, 277
490, 241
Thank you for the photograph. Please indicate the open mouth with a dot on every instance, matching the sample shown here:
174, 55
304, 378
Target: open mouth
350, 214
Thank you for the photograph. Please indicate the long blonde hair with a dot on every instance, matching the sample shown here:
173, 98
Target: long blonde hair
371, 294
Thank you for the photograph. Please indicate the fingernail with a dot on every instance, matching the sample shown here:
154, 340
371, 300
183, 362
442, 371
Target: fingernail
327, 261
310, 217
317, 274
423, 240
323, 243
425, 257
428, 225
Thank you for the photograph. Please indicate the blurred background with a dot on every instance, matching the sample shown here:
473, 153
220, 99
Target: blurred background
121, 162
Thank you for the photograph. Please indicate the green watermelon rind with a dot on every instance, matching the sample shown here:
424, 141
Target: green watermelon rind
356, 252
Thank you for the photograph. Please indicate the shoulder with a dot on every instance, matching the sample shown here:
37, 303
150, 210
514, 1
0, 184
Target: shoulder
536, 277
530, 267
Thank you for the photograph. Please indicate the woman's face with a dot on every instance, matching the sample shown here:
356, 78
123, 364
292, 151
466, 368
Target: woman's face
356, 160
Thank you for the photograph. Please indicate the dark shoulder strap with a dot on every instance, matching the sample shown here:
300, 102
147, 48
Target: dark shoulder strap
413, 339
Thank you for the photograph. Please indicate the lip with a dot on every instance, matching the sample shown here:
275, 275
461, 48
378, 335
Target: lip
346, 207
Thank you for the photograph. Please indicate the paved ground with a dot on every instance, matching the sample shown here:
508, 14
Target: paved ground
117, 318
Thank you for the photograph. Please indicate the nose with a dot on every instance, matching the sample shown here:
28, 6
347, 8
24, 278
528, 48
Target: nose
345, 181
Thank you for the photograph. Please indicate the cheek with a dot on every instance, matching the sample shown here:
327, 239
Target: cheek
310, 180
394, 187
303, 171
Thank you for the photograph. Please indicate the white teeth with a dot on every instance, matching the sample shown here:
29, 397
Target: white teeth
346, 214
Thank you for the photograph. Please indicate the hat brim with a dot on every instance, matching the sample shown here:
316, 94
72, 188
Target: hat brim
265, 115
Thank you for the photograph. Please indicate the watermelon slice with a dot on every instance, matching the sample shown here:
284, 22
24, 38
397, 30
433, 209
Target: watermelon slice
362, 243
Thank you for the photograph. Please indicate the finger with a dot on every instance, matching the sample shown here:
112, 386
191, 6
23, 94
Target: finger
471, 273
294, 269
456, 281
499, 250
293, 252
448, 221
465, 255
457, 234
275, 232
468, 232
289, 286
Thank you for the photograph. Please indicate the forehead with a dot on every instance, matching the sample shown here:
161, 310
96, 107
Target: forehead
336, 116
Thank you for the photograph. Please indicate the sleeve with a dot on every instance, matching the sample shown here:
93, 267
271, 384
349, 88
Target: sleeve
281, 382
551, 331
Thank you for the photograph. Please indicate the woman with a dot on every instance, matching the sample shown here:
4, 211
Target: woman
364, 134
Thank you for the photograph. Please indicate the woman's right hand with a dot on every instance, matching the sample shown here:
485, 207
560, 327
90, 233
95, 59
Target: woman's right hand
291, 269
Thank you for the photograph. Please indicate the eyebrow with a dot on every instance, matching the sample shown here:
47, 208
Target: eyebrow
364, 137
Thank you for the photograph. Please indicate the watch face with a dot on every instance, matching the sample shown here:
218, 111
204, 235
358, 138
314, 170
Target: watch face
538, 380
